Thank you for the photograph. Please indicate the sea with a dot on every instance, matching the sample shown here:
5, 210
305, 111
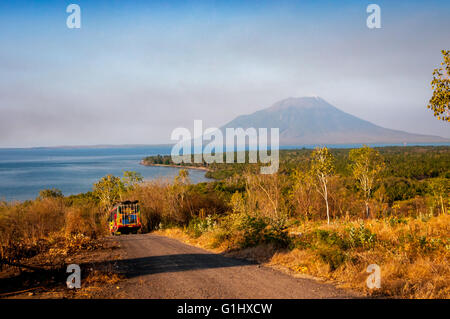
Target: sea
73, 170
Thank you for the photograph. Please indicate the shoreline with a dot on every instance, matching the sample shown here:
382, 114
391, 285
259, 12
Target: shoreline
200, 168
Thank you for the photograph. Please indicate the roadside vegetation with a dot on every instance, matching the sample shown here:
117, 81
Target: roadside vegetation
331, 213
326, 213
58, 226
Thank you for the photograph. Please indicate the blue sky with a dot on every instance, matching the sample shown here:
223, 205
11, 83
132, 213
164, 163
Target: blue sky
137, 69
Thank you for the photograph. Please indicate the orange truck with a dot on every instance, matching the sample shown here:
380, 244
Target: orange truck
125, 218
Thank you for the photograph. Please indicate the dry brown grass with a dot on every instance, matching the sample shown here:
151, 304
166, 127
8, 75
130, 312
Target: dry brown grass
47, 225
413, 254
26, 228
97, 277
413, 257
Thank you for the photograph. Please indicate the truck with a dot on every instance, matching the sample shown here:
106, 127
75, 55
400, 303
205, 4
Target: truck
125, 218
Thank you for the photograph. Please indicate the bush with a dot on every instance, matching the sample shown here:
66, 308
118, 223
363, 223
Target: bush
50, 193
197, 226
331, 238
331, 256
252, 228
240, 230
361, 236
276, 234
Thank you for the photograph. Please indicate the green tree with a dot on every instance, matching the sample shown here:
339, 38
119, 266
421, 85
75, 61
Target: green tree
109, 190
182, 178
367, 164
440, 187
237, 203
322, 168
130, 179
50, 193
440, 101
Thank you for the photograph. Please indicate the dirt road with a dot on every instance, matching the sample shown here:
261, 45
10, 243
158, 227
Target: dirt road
161, 267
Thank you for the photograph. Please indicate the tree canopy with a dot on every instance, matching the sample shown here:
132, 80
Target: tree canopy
366, 165
110, 189
440, 101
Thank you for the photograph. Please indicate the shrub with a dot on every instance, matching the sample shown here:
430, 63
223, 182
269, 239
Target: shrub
240, 230
331, 256
252, 228
276, 234
361, 236
331, 238
50, 193
197, 226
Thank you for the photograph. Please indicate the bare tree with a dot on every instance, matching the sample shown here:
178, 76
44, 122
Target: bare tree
321, 169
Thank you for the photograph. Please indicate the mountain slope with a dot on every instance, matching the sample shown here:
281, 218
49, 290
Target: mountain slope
312, 120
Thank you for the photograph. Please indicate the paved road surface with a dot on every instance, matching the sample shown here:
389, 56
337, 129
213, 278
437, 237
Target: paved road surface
161, 267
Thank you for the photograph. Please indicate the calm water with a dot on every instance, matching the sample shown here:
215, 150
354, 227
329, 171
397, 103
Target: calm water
23, 172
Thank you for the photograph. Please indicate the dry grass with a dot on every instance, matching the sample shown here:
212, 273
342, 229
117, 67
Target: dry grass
48, 226
413, 253
96, 277
413, 257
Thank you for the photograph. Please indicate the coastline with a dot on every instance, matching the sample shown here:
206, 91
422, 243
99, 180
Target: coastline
200, 168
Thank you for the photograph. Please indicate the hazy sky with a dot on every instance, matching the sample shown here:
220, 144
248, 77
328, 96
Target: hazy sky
138, 69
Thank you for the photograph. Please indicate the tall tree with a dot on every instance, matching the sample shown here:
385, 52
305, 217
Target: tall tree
367, 164
440, 101
108, 189
322, 168
440, 188
130, 179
